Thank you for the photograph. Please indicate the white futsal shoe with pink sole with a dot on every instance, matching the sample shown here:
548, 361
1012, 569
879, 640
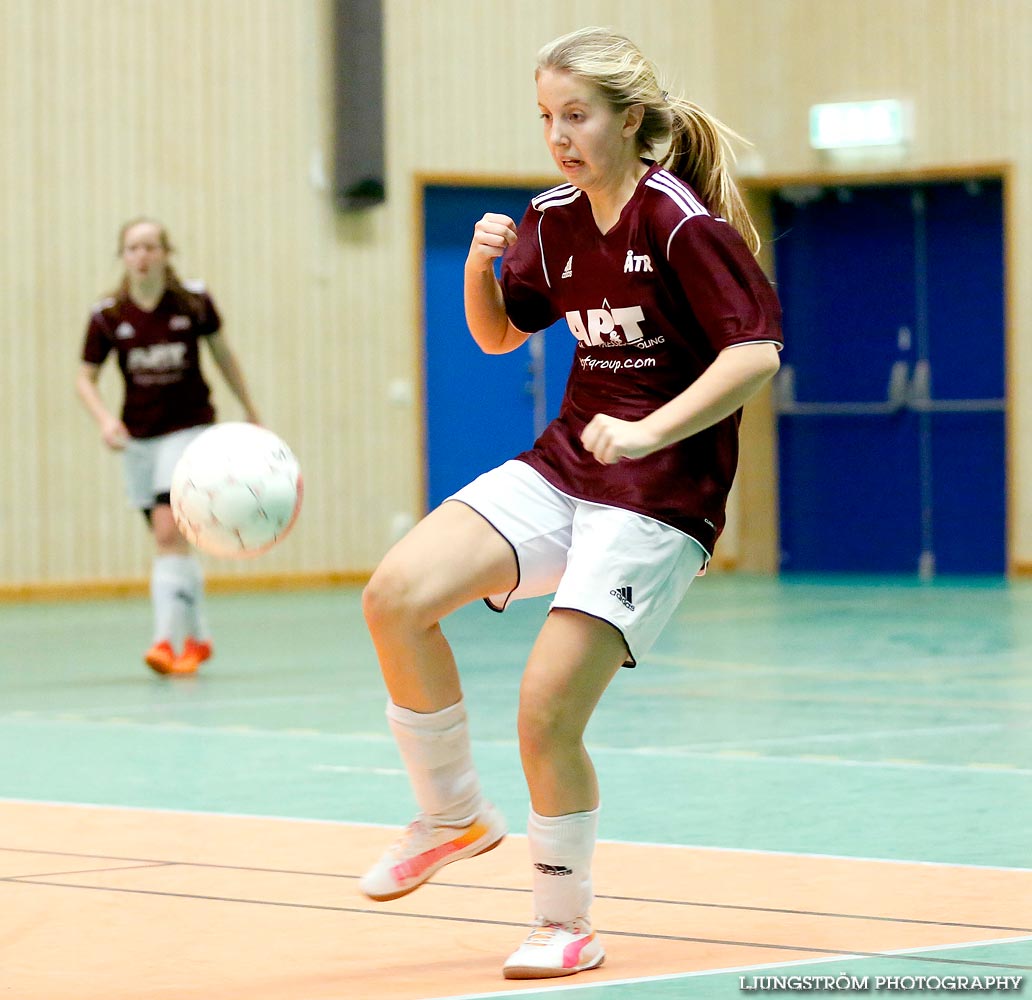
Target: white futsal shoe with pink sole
556, 950
425, 847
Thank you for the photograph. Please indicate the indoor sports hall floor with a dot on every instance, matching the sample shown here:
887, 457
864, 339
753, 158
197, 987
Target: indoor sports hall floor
812, 777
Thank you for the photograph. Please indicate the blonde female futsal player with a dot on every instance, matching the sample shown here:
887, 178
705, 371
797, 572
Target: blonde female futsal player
154, 323
617, 506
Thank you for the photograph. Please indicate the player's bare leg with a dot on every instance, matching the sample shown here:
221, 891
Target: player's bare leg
572, 662
449, 559
177, 590
452, 557
167, 539
570, 666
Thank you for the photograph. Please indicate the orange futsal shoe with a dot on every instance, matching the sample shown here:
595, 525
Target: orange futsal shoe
193, 655
425, 847
160, 657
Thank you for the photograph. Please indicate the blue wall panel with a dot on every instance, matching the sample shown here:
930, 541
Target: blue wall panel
870, 277
479, 410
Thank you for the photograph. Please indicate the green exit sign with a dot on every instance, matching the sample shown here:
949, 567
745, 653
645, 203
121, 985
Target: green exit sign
851, 124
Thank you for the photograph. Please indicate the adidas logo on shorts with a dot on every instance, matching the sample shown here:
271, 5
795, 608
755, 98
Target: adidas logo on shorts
623, 595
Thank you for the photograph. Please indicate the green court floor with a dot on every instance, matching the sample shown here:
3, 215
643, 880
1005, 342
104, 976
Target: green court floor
853, 717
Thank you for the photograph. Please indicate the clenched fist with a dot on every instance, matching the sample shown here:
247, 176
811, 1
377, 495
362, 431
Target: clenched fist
492, 235
610, 439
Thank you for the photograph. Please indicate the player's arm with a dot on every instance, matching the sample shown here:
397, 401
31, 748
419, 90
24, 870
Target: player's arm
231, 372
485, 307
734, 376
111, 427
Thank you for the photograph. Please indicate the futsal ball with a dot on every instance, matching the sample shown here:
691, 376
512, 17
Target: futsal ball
236, 490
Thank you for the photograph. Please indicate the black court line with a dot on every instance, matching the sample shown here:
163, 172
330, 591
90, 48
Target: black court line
843, 952
753, 909
89, 871
155, 863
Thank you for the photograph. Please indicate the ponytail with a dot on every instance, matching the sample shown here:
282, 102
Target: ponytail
701, 154
700, 150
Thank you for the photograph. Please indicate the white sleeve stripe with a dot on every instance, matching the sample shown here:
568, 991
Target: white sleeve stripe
541, 247
680, 197
565, 186
673, 234
559, 196
676, 184
689, 210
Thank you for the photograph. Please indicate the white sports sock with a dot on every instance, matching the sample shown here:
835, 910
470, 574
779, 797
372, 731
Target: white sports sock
561, 848
196, 619
171, 589
436, 750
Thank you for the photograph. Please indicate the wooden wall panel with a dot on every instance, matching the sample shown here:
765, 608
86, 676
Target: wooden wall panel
214, 116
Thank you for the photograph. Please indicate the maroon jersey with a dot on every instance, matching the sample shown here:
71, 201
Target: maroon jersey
651, 303
159, 358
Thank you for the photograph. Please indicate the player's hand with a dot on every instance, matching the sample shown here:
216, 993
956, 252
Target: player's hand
610, 439
492, 235
114, 434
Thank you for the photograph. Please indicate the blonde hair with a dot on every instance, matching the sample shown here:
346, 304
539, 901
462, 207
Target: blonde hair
700, 148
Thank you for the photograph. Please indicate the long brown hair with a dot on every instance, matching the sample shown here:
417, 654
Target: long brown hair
186, 300
700, 148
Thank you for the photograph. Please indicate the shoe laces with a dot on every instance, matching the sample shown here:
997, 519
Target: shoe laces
424, 834
418, 836
545, 930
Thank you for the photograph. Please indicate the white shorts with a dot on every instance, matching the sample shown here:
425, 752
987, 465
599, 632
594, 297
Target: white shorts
613, 564
148, 463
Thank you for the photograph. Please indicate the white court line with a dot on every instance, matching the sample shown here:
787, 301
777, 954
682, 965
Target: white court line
741, 756
106, 806
104, 714
74, 718
745, 757
876, 734
345, 769
738, 969
173, 702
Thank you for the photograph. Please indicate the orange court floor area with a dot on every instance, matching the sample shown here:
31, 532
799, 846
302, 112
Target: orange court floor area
131, 904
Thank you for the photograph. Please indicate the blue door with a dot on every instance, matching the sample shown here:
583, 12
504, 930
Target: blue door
480, 409
891, 426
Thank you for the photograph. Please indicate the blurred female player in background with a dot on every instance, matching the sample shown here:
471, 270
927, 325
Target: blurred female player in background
154, 323
617, 506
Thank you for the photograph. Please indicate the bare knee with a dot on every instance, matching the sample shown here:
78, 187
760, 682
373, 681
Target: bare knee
166, 535
546, 729
382, 598
390, 601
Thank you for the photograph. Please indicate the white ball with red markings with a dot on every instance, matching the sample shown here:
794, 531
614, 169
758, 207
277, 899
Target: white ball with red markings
236, 490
